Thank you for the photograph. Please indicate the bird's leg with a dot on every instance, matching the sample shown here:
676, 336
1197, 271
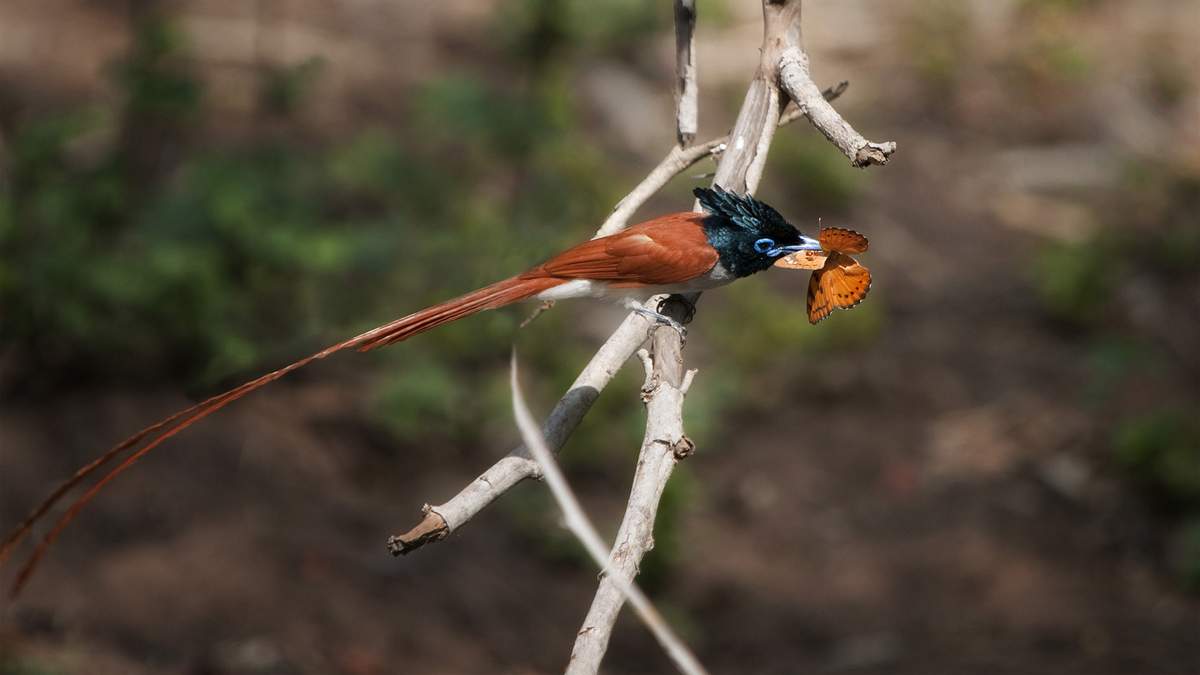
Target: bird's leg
657, 317
689, 305
546, 304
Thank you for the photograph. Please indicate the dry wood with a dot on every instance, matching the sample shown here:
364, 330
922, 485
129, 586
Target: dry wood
796, 80
687, 93
579, 524
663, 444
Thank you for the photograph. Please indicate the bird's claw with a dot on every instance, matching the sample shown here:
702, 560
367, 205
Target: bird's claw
665, 320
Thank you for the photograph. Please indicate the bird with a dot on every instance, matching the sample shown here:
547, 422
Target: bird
735, 236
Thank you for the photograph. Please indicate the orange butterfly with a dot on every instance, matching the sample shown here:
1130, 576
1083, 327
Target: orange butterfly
838, 281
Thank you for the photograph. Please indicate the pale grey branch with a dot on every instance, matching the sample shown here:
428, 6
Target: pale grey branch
442, 519
663, 444
581, 526
795, 78
680, 159
687, 92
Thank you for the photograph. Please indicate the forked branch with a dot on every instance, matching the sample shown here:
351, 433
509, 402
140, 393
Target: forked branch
796, 81
579, 524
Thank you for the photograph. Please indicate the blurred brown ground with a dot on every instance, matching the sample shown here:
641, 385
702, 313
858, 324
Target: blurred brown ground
936, 501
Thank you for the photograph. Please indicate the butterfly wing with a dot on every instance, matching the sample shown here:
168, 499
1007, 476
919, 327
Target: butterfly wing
841, 284
842, 240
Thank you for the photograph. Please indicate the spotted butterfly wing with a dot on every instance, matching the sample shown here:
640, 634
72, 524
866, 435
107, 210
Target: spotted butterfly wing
841, 284
842, 240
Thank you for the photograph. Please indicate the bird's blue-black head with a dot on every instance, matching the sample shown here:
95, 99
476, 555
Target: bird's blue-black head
749, 235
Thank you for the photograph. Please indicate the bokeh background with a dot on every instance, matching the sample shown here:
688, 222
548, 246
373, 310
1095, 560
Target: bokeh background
991, 466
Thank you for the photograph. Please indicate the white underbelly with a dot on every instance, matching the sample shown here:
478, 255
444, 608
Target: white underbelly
576, 288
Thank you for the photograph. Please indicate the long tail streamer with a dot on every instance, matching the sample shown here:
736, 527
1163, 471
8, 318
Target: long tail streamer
490, 297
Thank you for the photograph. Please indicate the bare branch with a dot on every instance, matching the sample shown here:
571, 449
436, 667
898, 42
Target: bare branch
579, 524
795, 78
741, 167
680, 159
687, 93
663, 444
443, 519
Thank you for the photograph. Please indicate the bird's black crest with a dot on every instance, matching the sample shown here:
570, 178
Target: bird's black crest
742, 210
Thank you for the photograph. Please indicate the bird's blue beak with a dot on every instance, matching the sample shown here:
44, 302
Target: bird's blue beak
806, 244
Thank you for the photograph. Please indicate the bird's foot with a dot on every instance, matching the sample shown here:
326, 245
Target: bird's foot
664, 320
546, 304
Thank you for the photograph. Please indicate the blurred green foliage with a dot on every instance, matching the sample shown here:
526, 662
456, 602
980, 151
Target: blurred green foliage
11, 665
1148, 248
1075, 281
155, 77
1184, 553
780, 323
539, 29
803, 168
669, 552
937, 36
1060, 5
192, 263
1162, 449
1111, 359
109, 252
1151, 234
1050, 55
135, 247
284, 89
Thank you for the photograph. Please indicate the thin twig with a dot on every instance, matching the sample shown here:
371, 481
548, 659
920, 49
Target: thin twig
680, 159
797, 82
579, 524
688, 377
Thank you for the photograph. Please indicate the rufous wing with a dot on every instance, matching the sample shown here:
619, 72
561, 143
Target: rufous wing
841, 284
842, 240
668, 250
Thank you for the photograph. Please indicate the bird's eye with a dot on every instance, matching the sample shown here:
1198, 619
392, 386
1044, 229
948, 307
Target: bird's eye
764, 245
